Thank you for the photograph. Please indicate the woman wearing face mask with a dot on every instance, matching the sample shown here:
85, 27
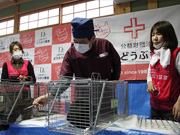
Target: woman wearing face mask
17, 70
164, 72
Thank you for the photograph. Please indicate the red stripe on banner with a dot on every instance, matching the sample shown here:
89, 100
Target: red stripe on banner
134, 72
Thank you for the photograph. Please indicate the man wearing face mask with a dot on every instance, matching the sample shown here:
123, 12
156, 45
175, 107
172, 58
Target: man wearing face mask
17, 70
86, 55
89, 54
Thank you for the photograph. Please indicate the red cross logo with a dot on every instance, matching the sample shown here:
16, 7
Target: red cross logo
134, 28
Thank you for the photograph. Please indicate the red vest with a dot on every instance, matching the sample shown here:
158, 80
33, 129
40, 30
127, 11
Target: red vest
167, 81
12, 72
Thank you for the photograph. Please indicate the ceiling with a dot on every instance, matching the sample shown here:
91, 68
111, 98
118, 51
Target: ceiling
121, 1
9, 3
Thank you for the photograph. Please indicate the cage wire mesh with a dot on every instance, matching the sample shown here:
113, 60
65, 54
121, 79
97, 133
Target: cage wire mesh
39, 89
85, 106
14, 98
159, 124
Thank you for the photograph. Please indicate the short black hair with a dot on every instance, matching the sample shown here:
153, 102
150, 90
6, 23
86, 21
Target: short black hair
89, 38
166, 29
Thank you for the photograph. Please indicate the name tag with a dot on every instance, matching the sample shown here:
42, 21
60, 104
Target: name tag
103, 54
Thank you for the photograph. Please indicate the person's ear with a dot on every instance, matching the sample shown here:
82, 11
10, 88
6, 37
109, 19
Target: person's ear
93, 38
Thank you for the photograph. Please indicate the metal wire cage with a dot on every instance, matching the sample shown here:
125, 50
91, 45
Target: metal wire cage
16, 100
14, 97
39, 89
85, 106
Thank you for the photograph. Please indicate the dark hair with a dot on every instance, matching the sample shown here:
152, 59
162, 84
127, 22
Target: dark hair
13, 44
89, 38
166, 29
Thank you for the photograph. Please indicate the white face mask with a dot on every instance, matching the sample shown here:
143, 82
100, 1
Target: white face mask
17, 55
82, 48
158, 46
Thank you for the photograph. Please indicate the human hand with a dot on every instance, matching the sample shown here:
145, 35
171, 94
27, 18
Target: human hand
40, 101
22, 78
151, 88
176, 110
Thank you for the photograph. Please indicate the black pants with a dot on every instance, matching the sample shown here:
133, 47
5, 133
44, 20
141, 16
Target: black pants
163, 115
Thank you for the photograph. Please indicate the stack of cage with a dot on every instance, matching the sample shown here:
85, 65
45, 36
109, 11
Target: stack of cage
14, 98
85, 106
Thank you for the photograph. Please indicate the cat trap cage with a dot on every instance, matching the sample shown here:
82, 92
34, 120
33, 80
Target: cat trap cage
85, 106
16, 100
